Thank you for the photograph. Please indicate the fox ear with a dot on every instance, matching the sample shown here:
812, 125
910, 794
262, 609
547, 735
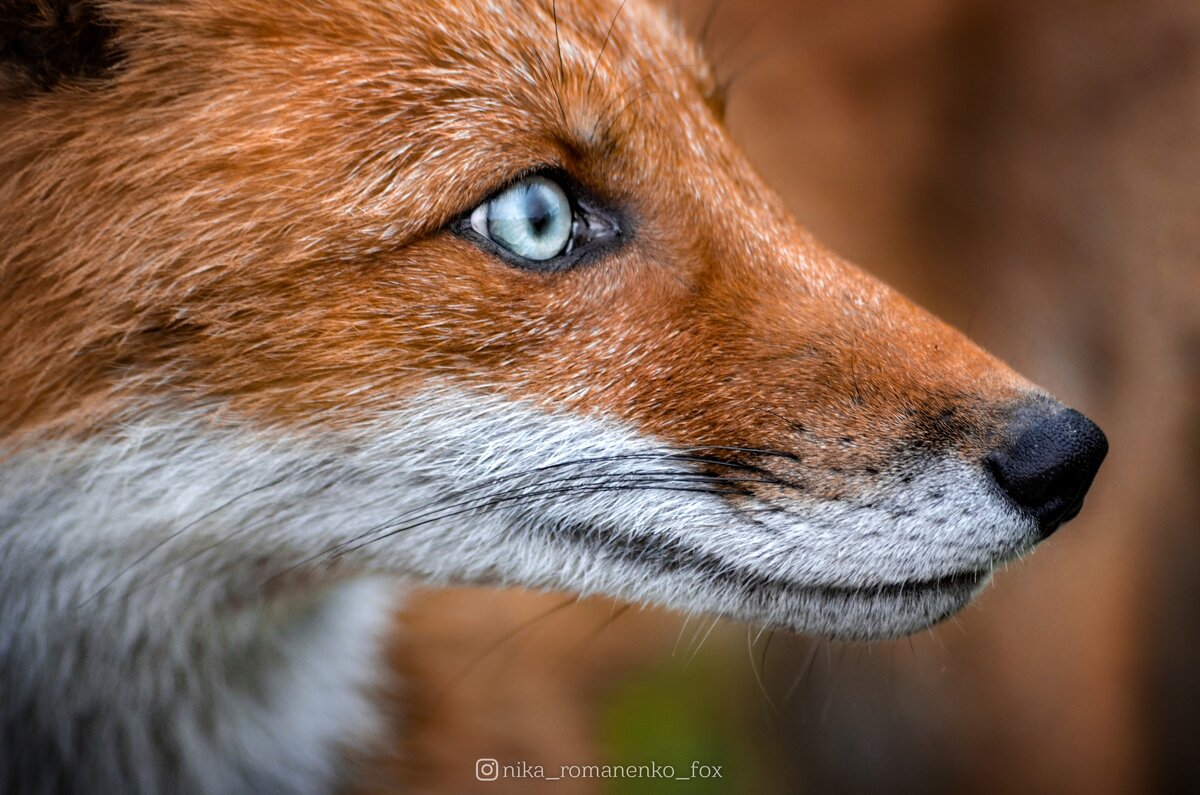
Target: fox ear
47, 42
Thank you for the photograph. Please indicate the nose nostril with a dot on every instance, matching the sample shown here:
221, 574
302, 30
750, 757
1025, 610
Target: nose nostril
1049, 464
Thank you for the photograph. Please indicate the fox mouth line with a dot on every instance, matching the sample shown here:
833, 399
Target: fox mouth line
668, 555
874, 612
960, 581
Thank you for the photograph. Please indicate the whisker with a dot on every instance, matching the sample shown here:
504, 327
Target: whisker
815, 646
504, 639
835, 679
687, 619
607, 37
562, 72
444, 512
208, 515
464, 507
751, 450
613, 119
548, 492
745, 35
569, 478
758, 679
700, 645
670, 455
461, 502
592, 636
196, 554
745, 68
630, 89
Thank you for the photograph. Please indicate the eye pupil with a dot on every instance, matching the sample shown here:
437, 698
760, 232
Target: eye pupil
538, 211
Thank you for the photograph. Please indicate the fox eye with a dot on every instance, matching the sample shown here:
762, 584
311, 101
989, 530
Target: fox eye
532, 219
540, 223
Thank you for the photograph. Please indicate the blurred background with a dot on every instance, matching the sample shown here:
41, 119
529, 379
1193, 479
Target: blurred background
1030, 171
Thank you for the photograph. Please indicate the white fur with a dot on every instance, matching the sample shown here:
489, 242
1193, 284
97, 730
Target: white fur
189, 606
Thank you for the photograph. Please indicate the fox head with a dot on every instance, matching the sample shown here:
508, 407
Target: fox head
473, 292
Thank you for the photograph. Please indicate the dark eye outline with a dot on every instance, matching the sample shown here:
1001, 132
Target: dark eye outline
596, 229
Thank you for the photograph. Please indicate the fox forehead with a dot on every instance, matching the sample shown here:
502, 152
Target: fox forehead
402, 114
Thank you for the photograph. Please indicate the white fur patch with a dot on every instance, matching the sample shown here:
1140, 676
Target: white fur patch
183, 605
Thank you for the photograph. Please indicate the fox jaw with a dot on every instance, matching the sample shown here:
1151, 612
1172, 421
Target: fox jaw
298, 293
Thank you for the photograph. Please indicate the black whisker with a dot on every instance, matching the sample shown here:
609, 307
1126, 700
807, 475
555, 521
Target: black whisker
562, 72
726, 84
461, 502
522, 474
592, 636
630, 89
504, 639
441, 511
744, 35
613, 119
789, 423
603, 47
208, 515
551, 492
241, 530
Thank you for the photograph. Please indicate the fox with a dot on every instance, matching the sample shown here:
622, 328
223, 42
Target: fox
307, 303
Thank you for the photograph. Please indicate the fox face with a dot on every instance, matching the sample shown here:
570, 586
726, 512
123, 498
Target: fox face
474, 293
297, 294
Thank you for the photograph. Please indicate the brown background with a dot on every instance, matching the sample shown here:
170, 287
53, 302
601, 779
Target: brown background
1030, 170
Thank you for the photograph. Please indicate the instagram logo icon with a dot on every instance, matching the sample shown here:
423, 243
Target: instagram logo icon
486, 769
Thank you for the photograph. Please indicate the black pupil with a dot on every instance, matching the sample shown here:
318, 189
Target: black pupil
539, 209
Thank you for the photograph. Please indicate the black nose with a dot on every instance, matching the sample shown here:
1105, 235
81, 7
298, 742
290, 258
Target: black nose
1049, 464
